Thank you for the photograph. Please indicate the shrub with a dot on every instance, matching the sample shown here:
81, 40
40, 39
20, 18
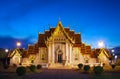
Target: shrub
21, 71
98, 69
113, 66
39, 66
32, 68
86, 68
80, 66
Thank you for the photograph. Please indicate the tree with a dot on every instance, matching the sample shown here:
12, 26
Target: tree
5, 61
2, 53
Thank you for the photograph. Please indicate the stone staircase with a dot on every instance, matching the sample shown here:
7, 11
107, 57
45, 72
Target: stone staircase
59, 66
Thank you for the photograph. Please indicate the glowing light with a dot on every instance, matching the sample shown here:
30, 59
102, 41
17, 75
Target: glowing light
112, 50
6, 50
115, 56
101, 44
91, 65
18, 44
101, 64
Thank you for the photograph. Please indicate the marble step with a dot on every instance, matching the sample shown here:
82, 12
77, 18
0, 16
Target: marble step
59, 66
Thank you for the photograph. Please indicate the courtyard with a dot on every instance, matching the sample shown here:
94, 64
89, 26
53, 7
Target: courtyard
60, 74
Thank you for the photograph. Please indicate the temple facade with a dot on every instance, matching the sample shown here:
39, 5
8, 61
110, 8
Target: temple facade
59, 47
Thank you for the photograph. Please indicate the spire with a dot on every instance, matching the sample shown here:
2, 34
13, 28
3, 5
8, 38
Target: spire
59, 22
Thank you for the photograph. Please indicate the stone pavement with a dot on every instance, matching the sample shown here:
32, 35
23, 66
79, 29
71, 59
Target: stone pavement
59, 74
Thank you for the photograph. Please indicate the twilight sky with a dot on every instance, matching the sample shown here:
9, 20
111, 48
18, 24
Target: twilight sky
94, 19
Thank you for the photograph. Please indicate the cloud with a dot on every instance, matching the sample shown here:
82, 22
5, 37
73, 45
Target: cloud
10, 42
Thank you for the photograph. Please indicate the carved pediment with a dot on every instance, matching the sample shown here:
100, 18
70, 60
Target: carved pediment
59, 34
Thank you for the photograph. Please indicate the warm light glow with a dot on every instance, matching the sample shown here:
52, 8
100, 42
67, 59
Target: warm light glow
91, 65
101, 64
18, 44
6, 50
101, 44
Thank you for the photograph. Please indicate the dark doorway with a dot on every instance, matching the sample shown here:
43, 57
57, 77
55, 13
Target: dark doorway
59, 58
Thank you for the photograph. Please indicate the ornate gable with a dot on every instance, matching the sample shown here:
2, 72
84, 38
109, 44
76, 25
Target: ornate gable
97, 52
17, 52
60, 32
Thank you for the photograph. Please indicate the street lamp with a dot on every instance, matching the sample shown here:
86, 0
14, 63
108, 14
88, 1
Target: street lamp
115, 56
6, 50
18, 44
112, 50
101, 44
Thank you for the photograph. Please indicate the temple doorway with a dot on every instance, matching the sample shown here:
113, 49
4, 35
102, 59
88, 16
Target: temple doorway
60, 58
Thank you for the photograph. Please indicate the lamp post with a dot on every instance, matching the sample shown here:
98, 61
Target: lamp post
116, 58
113, 56
101, 44
112, 50
6, 50
18, 44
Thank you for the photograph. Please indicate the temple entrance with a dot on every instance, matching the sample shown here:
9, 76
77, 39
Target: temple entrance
59, 58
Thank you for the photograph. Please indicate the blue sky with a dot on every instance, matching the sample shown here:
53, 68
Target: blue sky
94, 19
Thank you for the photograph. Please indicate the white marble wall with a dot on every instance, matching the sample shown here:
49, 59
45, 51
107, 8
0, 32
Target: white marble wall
76, 53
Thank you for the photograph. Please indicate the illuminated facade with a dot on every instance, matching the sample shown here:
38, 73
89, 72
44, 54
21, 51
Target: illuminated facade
60, 47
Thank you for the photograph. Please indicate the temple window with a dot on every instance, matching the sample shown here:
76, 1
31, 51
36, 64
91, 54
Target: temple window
97, 60
76, 56
32, 58
32, 61
43, 57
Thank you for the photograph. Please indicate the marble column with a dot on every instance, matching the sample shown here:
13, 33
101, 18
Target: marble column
66, 53
70, 54
53, 53
49, 54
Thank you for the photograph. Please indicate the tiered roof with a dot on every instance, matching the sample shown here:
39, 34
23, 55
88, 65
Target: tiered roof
96, 52
21, 51
86, 49
70, 34
33, 49
43, 37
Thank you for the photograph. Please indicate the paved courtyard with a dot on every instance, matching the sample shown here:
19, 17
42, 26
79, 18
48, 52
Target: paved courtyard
59, 74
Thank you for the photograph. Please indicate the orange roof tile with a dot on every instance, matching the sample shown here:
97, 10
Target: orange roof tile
71, 34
